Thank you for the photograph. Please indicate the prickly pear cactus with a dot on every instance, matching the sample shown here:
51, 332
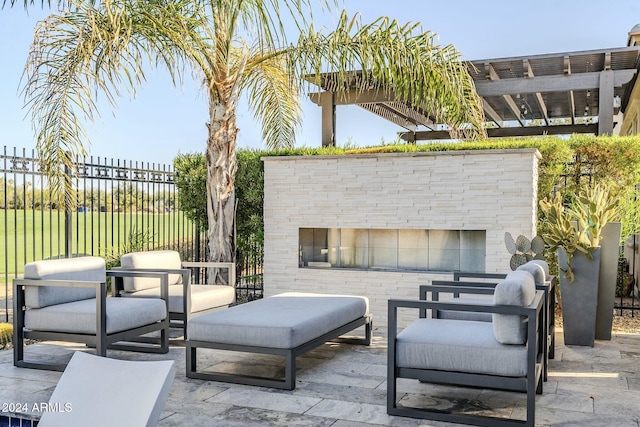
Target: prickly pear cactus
522, 249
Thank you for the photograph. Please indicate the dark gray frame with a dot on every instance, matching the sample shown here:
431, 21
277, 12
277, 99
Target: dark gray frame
101, 341
182, 319
290, 354
531, 384
550, 304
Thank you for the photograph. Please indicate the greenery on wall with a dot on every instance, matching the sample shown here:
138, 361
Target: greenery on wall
565, 164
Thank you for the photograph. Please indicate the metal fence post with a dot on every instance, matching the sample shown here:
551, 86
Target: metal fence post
68, 217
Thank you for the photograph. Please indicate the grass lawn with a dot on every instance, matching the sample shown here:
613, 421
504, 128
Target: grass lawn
28, 235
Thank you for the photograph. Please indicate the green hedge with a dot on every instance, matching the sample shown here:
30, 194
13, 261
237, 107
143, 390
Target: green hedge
567, 163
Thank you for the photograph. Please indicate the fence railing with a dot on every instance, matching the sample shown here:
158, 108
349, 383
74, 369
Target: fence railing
122, 206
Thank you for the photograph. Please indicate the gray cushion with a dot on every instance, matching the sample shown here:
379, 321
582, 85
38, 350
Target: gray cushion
467, 315
80, 316
203, 297
537, 270
459, 346
81, 268
545, 266
282, 321
150, 259
518, 288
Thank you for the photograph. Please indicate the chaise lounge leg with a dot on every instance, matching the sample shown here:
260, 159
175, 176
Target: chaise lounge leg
368, 332
191, 360
290, 371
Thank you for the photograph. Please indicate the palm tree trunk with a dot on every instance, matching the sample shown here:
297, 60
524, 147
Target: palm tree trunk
221, 173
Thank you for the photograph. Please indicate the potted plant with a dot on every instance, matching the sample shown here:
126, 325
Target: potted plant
575, 232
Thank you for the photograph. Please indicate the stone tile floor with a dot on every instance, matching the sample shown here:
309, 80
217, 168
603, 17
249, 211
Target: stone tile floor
344, 385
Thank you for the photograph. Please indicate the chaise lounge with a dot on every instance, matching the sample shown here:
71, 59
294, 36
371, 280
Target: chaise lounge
287, 325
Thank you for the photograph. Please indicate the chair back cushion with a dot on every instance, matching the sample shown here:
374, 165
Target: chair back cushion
150, 259
82, 268
518, 288
539, 270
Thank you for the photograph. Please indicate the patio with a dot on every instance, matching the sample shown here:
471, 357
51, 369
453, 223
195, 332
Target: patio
344, 385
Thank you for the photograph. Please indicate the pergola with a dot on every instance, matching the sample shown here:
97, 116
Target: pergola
560, 93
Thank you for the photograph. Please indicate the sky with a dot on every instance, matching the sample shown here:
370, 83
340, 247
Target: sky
163, 120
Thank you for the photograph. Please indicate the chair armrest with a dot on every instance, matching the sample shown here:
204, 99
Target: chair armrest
99, 286
231, 266
460, 275
162, 275
481, 308
19, 302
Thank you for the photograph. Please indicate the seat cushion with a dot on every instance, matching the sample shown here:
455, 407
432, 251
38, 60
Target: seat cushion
282, 321
80, 316
459, 346
81, 268
519, 289
203, 297
149, 260
467, 315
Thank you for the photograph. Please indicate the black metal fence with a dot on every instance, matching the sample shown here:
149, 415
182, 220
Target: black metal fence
122, 206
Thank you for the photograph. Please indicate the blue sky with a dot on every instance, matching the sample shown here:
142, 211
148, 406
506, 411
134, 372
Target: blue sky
164, 120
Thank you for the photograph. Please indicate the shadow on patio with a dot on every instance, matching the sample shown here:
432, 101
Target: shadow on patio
345, 385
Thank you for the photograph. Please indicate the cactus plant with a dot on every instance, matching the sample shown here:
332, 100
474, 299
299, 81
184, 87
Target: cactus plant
522, 249
578, 227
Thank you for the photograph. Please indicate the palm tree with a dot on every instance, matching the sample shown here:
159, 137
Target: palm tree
235, 46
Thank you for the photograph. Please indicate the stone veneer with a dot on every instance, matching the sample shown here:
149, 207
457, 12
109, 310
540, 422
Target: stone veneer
492, 190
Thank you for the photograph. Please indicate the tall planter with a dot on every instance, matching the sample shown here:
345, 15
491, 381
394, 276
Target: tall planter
609, 254
580, 297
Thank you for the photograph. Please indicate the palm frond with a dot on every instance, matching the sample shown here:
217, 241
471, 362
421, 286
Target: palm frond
402, 59
90, 52
275, 101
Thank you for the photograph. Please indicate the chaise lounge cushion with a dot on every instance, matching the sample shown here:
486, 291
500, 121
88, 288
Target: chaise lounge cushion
81, 268
518, 289
458, 346
282, 321
150, 259
203, 297
80, 316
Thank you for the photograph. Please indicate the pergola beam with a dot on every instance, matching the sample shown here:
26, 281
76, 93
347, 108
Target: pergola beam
571, 96
491, 113
492, 77
357, 97
582, 81
507, 132
528, 73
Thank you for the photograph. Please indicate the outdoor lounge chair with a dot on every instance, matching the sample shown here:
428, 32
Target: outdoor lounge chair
65, 300
183, 281
505, 354
544, 282
96, 391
